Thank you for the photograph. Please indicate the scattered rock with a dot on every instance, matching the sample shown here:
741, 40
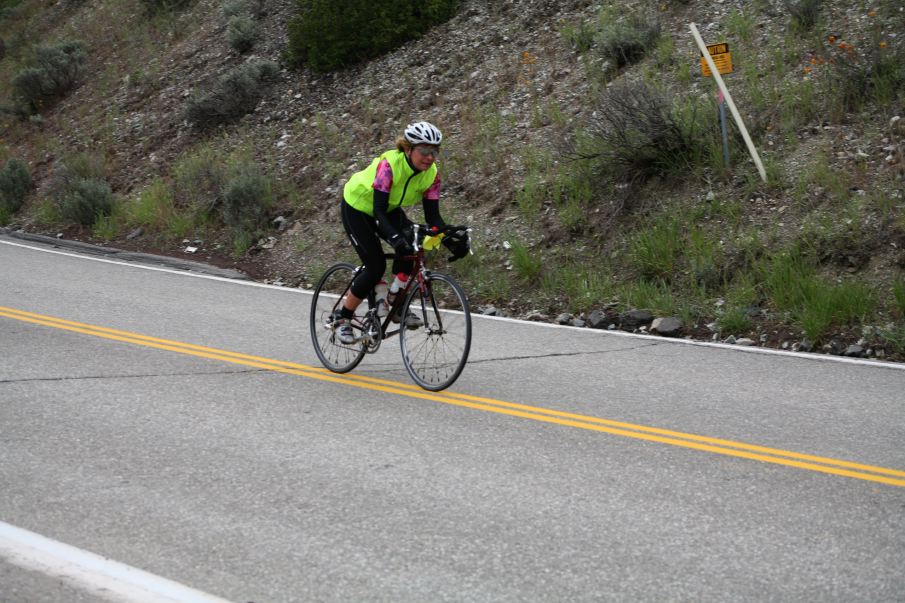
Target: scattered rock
635, 318
667, 327
597, 320
855, 351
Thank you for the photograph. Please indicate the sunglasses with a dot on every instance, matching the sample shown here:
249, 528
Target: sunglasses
428, 151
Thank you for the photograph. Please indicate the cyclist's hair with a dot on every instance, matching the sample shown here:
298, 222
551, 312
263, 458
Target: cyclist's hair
403, 145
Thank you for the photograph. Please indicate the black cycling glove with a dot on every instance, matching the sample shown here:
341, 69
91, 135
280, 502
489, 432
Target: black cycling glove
401, 246
458, 247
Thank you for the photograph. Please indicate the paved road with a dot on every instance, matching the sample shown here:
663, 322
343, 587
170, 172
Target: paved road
565, 465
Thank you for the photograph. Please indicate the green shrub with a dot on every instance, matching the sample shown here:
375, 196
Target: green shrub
637, 133
162, 6
804, 13
8, 7
51, 73
233, 95
199, 179
580, 37
15, 182
85, 200
247, 197
241, 33
328, 34
238, 8
627, 42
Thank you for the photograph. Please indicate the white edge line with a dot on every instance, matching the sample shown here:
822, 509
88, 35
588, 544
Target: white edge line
92, 573
584, 330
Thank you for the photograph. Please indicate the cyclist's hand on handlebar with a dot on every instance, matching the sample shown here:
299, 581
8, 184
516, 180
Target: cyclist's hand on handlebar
458, 247
456, 232
401, 246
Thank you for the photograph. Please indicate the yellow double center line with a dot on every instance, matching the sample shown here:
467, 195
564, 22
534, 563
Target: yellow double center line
809, 462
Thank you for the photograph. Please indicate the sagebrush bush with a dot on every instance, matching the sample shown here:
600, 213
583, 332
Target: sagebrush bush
638, 132
85, 200
199, 179
241, 33
160, 6
328, 35
78, 190
247, 197
804, 13
238, 8
233, 95
15, 182
627, 42
51, 73
8, 7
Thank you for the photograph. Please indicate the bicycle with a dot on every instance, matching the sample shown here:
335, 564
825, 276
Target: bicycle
434, 353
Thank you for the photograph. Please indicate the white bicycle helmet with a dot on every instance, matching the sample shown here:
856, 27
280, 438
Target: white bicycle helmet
423, 132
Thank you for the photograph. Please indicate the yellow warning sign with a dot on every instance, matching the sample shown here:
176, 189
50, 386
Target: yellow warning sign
721, 58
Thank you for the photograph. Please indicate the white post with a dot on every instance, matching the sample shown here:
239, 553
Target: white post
735, 113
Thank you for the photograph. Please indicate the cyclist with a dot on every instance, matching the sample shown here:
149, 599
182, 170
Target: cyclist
372, 210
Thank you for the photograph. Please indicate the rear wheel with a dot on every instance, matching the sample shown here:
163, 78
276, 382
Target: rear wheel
327, 301
435, 353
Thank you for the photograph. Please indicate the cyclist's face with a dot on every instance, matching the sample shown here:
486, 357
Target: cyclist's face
423, 155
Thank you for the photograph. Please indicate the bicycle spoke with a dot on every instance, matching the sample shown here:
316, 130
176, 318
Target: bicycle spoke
336, 356
435, 353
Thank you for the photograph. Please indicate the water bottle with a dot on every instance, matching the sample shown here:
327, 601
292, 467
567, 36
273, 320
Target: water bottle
398, 283
380, 295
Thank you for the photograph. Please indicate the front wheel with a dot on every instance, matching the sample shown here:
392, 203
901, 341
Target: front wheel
325, 304
435, 353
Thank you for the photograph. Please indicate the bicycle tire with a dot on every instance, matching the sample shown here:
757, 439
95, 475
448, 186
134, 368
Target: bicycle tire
336, 356
435, 353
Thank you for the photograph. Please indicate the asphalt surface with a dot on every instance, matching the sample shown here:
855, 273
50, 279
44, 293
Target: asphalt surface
256, 484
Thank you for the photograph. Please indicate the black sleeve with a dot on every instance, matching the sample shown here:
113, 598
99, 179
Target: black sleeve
384, 224
432, 213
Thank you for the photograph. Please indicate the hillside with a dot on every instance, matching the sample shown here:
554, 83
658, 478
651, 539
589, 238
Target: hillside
576, 220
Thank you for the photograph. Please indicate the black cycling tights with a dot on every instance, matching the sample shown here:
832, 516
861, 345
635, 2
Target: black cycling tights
362, 231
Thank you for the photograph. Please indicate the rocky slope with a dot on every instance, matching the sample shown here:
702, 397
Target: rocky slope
313, 130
